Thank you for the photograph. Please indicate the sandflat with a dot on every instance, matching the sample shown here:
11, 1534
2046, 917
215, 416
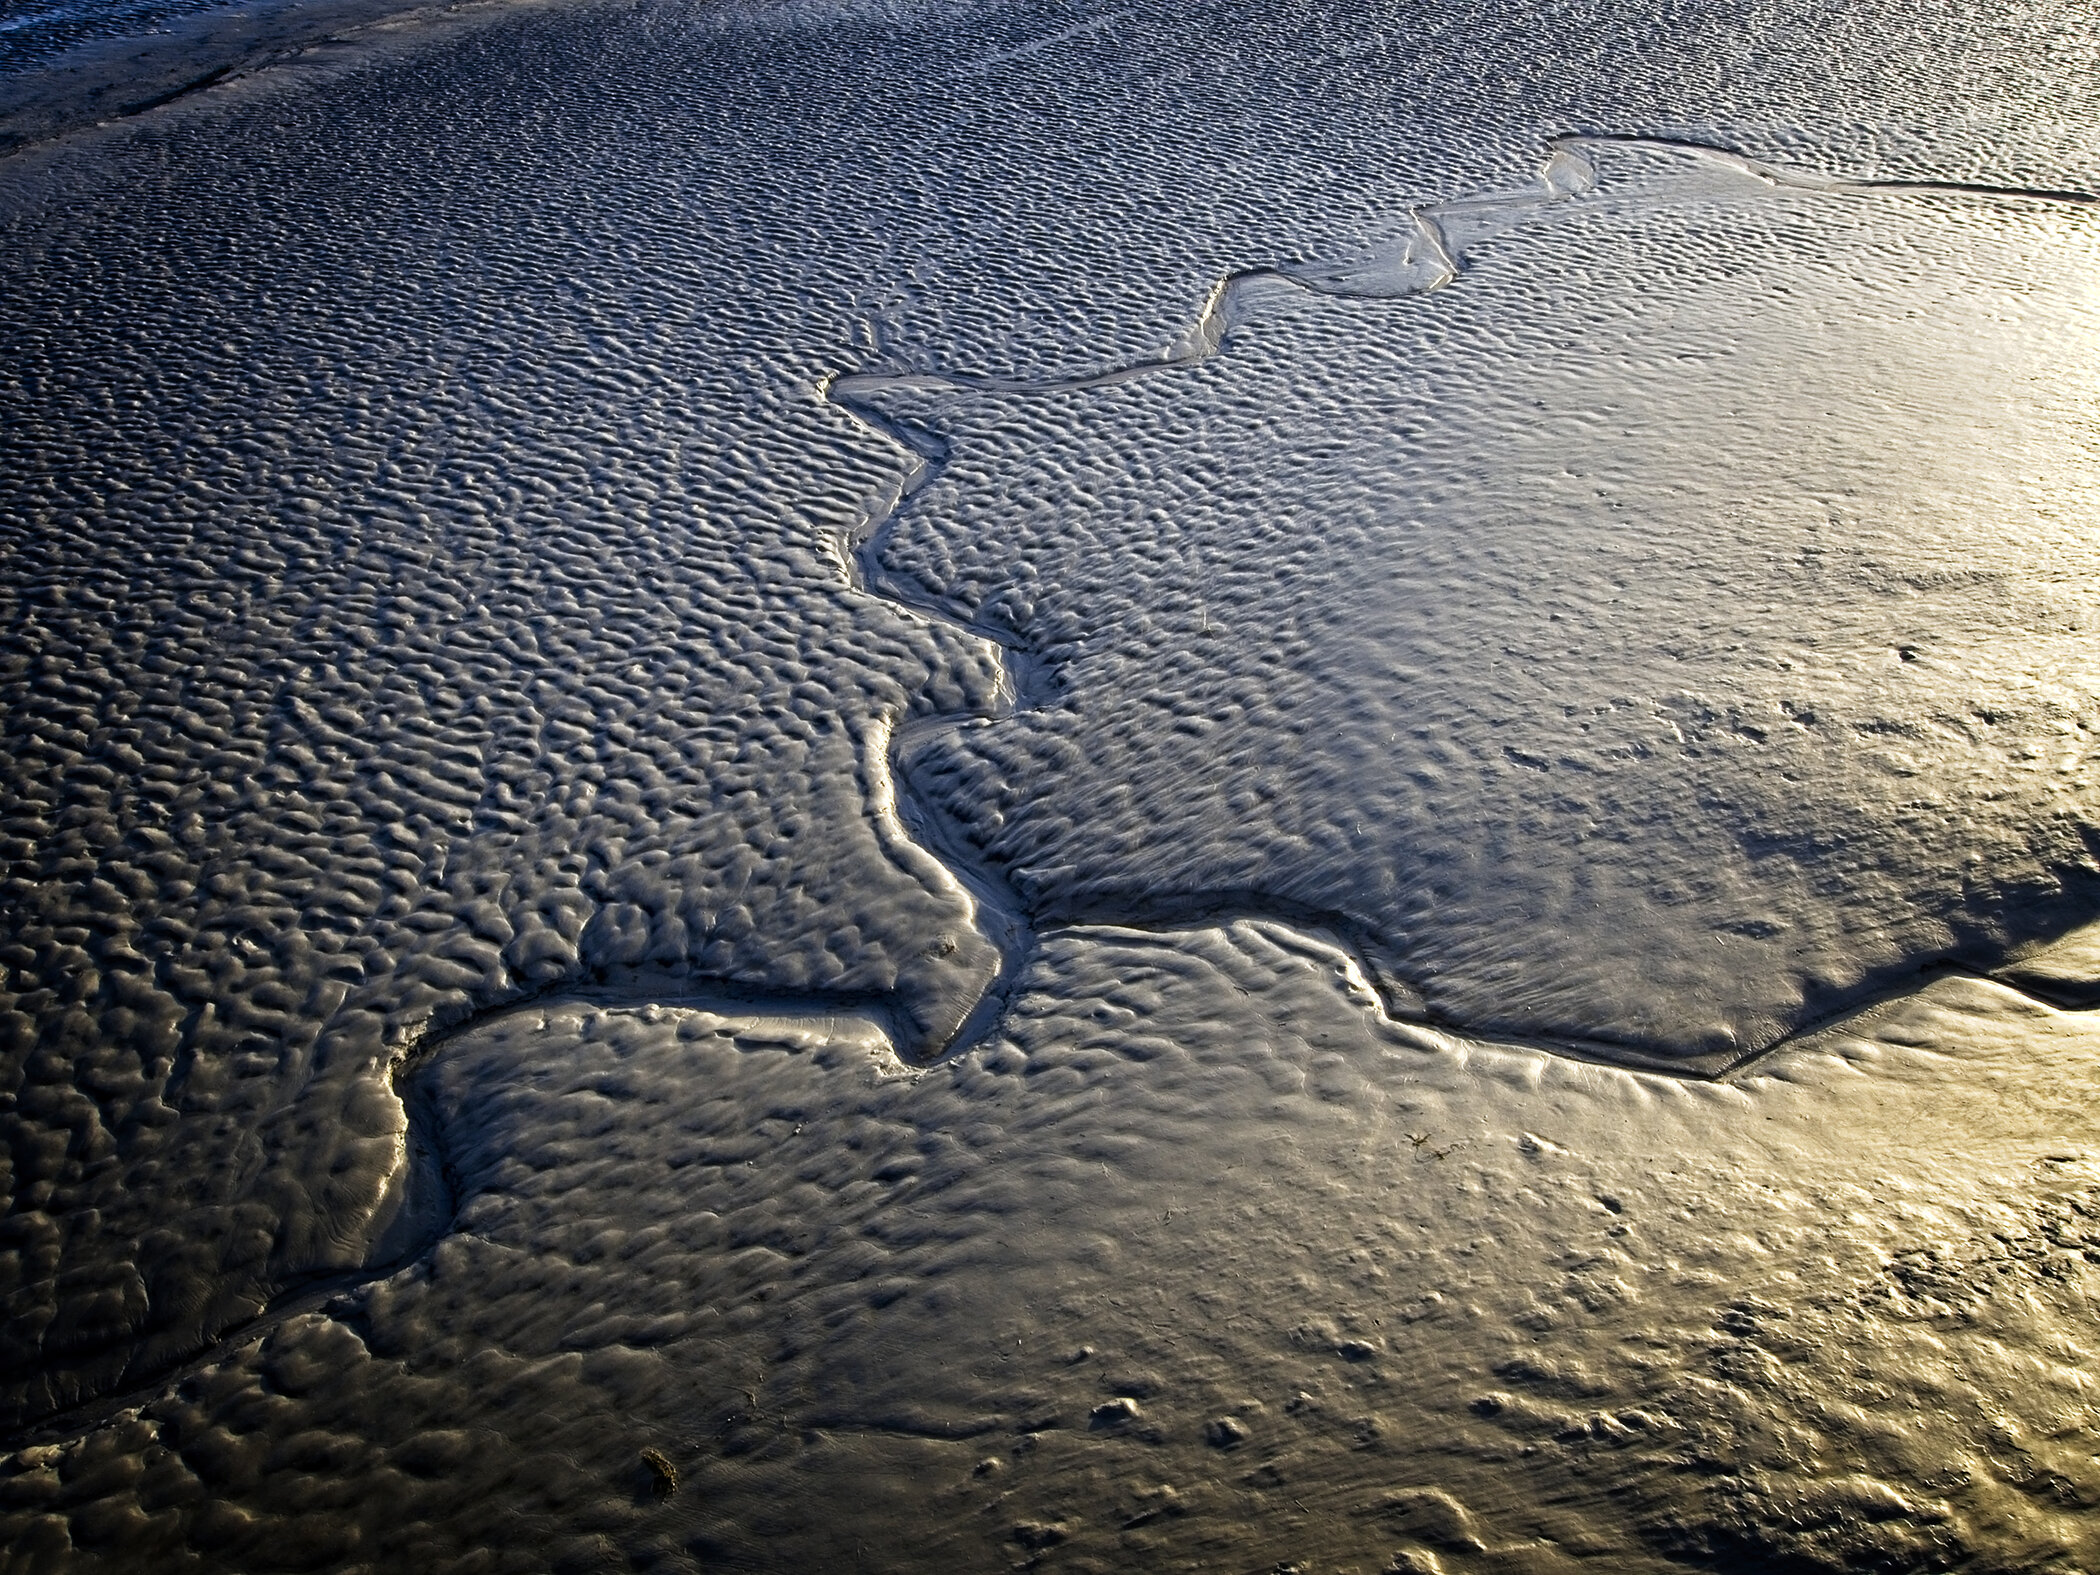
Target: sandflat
1104, 787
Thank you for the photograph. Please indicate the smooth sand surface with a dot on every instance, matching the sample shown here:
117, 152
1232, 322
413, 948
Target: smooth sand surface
898, 787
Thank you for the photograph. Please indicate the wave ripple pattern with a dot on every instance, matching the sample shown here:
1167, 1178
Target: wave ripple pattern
1669, 628
455, 560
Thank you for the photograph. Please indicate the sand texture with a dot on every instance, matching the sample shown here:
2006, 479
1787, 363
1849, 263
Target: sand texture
69, 67
1107, 788
1666, 632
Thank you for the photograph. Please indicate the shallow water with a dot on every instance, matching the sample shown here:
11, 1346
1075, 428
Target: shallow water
578, 603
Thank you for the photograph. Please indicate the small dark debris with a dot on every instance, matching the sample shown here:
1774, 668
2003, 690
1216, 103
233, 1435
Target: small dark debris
1035, 1535
663, 1474
1116, 1412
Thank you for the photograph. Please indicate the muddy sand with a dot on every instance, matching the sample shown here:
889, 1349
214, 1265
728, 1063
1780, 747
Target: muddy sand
1106, 788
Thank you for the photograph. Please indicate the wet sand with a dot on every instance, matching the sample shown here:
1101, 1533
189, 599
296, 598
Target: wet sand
98, 81
1083, 789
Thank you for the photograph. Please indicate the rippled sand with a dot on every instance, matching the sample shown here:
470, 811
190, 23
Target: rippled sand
814, 787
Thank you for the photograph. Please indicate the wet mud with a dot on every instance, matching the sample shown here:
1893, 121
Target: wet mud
654, 919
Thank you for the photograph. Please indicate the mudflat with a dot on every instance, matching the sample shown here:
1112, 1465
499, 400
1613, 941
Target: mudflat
900, 786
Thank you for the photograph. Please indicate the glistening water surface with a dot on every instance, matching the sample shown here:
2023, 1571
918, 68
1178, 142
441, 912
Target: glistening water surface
588, 595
